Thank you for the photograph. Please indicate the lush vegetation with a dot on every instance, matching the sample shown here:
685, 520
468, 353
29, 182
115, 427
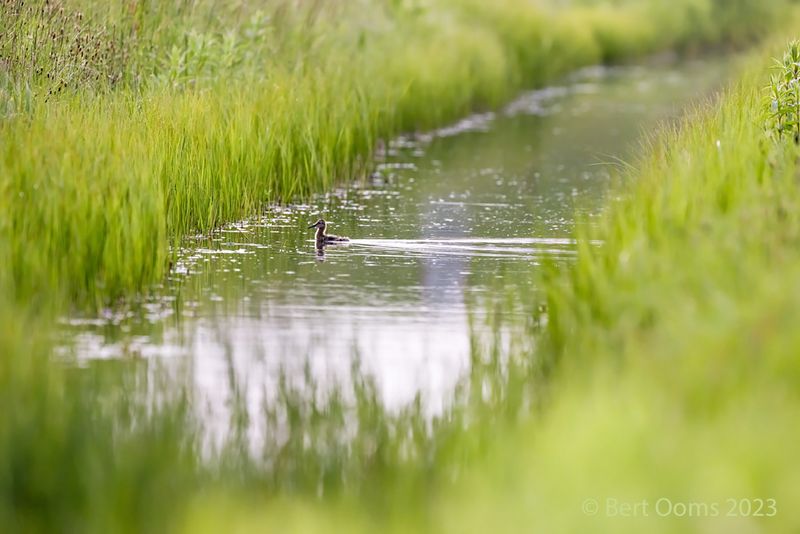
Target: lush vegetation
671, 374
676, 337
129, 125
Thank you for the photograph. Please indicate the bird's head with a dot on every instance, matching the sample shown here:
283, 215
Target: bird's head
319, 224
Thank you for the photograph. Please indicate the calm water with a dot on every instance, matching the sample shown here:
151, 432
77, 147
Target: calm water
448, 221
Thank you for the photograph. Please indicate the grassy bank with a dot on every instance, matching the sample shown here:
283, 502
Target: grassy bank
124, 128
676, 338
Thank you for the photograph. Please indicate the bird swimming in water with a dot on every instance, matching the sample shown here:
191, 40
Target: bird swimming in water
323, 238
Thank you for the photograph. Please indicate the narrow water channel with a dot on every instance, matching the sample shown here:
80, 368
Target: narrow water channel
446, 219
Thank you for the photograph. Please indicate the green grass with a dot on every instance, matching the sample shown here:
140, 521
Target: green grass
81, 450
675, 343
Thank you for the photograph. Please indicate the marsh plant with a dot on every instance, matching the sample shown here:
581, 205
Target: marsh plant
53, 46
784, 89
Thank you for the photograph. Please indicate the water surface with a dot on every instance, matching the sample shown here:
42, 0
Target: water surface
448, 221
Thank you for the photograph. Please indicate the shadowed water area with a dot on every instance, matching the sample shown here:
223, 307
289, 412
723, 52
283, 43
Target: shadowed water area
448, 223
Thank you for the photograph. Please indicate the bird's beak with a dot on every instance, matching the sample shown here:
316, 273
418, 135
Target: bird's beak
313, 225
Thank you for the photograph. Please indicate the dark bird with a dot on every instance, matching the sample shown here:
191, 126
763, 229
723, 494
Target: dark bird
323, 238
